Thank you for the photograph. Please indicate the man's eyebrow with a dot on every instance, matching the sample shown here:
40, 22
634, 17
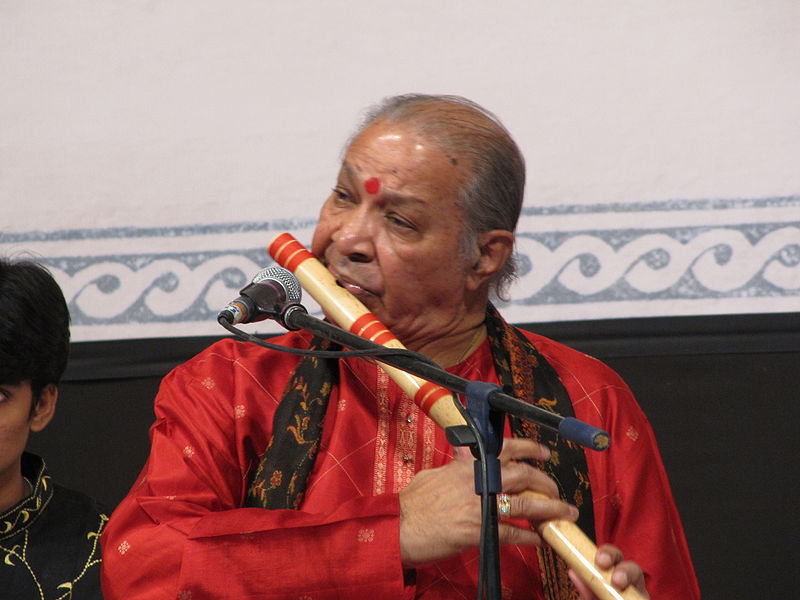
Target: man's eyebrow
402, 199
348, 170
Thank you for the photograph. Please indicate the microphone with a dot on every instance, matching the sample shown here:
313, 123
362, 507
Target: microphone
272, 291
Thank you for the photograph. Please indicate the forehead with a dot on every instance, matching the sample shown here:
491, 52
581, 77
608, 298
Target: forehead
402, 159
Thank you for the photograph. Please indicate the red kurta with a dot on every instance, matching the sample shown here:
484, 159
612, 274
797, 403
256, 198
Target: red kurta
181, 533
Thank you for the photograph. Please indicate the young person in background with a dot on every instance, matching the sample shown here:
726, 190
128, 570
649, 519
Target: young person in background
49, 535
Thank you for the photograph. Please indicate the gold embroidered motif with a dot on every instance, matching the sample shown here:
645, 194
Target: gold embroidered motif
298, 430
406, 450
428, 441
21, 514
366, 535
549, 404
382, 435
276, 478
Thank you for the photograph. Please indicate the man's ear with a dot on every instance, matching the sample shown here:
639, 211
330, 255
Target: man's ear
494, 248
45, 408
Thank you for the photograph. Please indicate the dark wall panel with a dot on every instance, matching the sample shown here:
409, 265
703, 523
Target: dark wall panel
97, 441
727, 429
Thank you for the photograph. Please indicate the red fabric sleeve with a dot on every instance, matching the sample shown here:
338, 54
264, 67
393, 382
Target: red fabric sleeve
180, 532
633, 504
637, 511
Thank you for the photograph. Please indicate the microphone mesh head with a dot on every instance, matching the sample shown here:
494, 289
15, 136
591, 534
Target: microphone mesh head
285, 278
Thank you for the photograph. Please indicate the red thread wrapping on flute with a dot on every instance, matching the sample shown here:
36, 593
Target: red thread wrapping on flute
278, 247
361, 322
288, 252
372, 185
296, 259
278, 244
368, 326
428, 395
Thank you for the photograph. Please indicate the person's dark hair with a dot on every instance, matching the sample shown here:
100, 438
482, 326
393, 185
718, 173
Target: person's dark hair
34, 326
492, 196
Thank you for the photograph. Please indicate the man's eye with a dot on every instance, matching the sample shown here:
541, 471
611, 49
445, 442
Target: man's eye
399, 221
341, 195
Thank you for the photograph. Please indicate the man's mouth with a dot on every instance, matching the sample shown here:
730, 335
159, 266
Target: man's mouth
353, 288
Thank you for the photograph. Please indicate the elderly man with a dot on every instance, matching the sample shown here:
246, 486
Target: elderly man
419, 227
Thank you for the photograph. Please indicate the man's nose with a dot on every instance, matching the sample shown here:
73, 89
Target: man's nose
354, 238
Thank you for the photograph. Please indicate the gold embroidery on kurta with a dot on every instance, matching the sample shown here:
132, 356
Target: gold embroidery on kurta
382, 434
405, 454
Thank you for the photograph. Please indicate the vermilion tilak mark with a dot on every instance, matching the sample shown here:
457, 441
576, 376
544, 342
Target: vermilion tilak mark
372, 185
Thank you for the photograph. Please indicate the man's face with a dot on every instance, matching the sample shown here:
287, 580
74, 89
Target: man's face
391, 232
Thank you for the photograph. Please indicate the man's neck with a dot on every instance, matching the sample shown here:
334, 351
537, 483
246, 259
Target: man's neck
454, 349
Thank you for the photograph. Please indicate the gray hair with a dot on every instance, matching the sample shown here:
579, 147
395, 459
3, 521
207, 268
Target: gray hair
492, 195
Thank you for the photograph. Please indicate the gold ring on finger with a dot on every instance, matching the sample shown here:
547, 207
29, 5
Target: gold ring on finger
503, 505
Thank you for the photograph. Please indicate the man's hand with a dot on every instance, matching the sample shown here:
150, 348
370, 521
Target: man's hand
626, 573
440, 514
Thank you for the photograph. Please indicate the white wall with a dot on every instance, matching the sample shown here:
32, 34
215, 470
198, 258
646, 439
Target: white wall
150, 150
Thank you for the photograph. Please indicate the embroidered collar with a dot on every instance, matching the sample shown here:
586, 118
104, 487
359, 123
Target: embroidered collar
25, 512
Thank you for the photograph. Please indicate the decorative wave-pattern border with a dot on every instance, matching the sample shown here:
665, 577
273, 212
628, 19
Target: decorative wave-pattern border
577, 262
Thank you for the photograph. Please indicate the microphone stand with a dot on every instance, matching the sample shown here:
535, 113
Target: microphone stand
490, 424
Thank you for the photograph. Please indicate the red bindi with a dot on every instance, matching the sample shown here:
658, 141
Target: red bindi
372, 185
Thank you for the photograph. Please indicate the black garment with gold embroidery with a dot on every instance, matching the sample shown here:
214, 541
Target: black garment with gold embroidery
50, 542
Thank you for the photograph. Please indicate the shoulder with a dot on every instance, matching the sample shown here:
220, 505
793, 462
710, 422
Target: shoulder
232, 351
69, 520
71, 506
228, 373
229, 358
77, 504
596, 390
569, 361
50, 498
